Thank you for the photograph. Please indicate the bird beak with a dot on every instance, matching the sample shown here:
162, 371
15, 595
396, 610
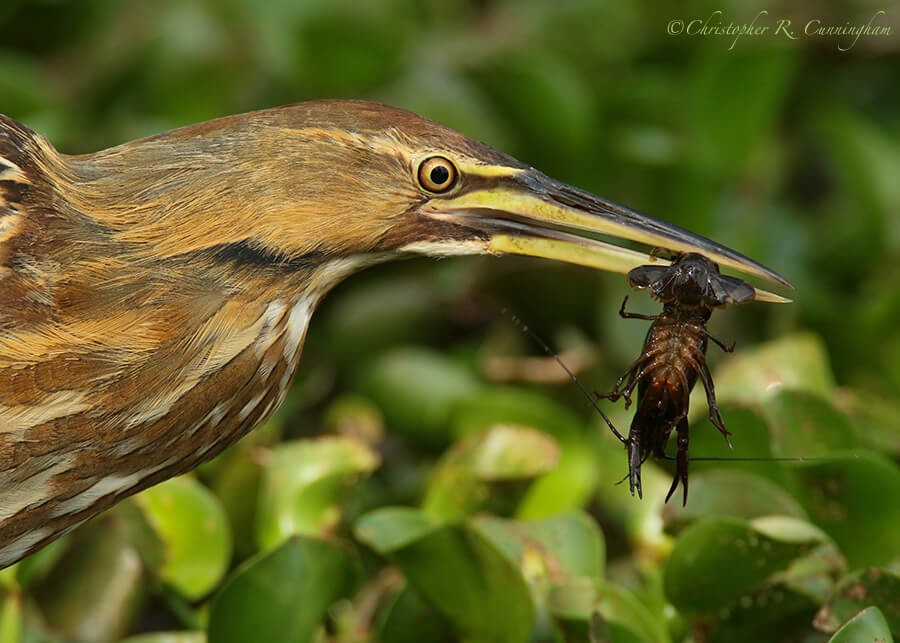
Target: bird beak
526, 212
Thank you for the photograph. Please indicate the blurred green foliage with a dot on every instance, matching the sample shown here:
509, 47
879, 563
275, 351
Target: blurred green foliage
464, 489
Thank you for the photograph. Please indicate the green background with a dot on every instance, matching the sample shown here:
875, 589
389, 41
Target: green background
786, 150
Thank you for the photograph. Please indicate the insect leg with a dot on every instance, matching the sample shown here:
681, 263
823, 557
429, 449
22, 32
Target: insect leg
626, 315
727, 349
635, 460
632, 375
715, 416
681, 466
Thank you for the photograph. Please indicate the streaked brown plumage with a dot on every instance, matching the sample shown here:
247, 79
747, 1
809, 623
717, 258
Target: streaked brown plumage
154, 297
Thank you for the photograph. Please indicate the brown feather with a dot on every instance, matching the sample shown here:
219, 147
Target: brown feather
154, 296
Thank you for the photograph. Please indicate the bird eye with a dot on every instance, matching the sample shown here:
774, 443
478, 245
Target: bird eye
437, 174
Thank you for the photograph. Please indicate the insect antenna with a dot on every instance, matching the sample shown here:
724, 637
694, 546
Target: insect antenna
748, 459
546, 348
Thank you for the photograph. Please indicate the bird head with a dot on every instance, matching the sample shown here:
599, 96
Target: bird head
355, 182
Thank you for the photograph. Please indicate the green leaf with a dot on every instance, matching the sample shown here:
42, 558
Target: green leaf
236, 484
508, 405
769, 613
168, 637
391, 528
624, 613
459, 571
571, 483
553, 550
195, 533
751, 437
409, 619
282, 595
468, 477
717, 560
638, 519
416, 389
354, 416
806, 425
877, 416
859, 589
11, 617
625, 617
726, 492
304, 484
796, 362
504, 452
853, 498
868, 625
98, 587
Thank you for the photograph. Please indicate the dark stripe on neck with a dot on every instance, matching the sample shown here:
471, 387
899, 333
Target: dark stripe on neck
245, 253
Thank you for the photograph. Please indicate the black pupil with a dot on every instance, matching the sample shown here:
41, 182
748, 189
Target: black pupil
439, 175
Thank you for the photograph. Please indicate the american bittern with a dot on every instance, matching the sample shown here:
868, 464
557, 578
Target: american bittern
154, 297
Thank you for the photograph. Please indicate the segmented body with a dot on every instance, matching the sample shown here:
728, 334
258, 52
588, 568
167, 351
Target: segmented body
673, 358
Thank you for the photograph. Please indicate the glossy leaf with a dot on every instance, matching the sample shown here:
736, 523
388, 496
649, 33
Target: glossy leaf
877, 416
553, 550
726, 492
769, 612
282, 595
806, 425
717, 560
409, 619
459, 571
860, 589
568, 487
752, 437
626, 619
194, 531
390, 528
304, 483
796, 362
868, 625
853, 497
481, 470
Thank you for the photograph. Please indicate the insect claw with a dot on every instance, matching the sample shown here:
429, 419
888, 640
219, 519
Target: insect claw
636, 483
671, 489
681, 468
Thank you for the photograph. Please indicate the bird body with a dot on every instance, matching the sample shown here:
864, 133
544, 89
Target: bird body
155, 296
